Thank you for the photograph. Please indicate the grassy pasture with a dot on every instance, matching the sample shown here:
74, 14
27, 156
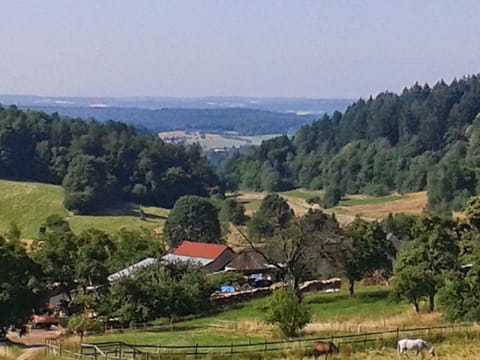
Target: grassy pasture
331, 312
370, 308
28, 204
370, 200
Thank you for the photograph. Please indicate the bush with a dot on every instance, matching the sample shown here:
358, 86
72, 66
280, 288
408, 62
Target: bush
231, 210
79, 202
287, 312
314, 200
332, 197
376, 190
81, 324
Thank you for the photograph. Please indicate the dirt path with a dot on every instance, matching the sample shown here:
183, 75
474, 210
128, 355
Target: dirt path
32, 353
35, 337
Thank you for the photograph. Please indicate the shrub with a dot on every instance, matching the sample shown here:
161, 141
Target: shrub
332, 197
287, 311
81, 324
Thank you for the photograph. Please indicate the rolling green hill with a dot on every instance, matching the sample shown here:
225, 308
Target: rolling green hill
28, 204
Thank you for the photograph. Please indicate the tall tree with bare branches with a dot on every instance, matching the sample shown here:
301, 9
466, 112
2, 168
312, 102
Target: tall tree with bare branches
297, 249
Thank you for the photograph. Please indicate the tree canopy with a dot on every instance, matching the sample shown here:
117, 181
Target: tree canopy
194, 219
21, 287
422, 266
366, 250
273, 216
99, 164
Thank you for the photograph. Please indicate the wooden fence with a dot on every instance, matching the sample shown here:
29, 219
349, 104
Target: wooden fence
123, 351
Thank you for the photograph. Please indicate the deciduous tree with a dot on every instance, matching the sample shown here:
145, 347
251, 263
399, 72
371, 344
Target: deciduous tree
273, 216
366, 250
193, 218
21, 287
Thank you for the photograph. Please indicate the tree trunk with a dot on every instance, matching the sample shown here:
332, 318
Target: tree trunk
351, 287
431, 302
296, 289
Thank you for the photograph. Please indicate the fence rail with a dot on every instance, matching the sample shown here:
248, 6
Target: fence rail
123, 351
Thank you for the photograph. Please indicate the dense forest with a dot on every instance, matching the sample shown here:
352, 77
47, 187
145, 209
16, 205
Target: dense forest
99, 164
424, 138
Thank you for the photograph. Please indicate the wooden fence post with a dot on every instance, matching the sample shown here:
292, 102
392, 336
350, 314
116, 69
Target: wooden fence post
196, 350
265, 347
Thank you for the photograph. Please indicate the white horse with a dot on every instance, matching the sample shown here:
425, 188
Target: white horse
417, 345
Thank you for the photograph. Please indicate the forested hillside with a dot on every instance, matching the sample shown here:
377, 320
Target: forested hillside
242, 120
99, 164
424, 138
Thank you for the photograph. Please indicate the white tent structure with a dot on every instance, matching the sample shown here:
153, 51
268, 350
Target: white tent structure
129, 271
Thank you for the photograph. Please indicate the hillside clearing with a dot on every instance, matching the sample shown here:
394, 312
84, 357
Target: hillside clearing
28, 204
365, 206
214, 141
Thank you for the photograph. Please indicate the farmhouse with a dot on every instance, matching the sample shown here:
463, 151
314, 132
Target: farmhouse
249, 262
212, 257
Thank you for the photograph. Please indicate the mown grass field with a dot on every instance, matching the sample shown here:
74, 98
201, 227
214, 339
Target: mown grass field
365, 206
370, 200
28, 204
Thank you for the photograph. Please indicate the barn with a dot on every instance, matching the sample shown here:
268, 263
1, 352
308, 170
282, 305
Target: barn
211, 257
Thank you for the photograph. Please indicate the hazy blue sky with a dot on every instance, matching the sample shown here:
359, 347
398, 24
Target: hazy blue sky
314, 48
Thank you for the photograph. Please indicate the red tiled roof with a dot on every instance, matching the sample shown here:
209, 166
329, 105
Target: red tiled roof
200, 250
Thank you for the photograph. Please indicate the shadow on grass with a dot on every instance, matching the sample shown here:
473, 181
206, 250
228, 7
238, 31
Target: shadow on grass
363, 297
176, 327
129, 209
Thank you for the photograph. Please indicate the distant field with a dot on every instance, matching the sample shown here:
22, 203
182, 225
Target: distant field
214, 141
28, 204
365, 206
370, 200
410, 203
302, 193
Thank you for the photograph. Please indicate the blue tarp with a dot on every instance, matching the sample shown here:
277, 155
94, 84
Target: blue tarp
227, 289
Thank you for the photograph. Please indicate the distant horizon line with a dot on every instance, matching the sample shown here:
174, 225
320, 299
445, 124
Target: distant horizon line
177, 97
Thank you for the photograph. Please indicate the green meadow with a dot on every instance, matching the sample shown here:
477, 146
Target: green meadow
28, 204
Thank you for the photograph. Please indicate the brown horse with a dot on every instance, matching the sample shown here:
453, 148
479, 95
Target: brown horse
324, 348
